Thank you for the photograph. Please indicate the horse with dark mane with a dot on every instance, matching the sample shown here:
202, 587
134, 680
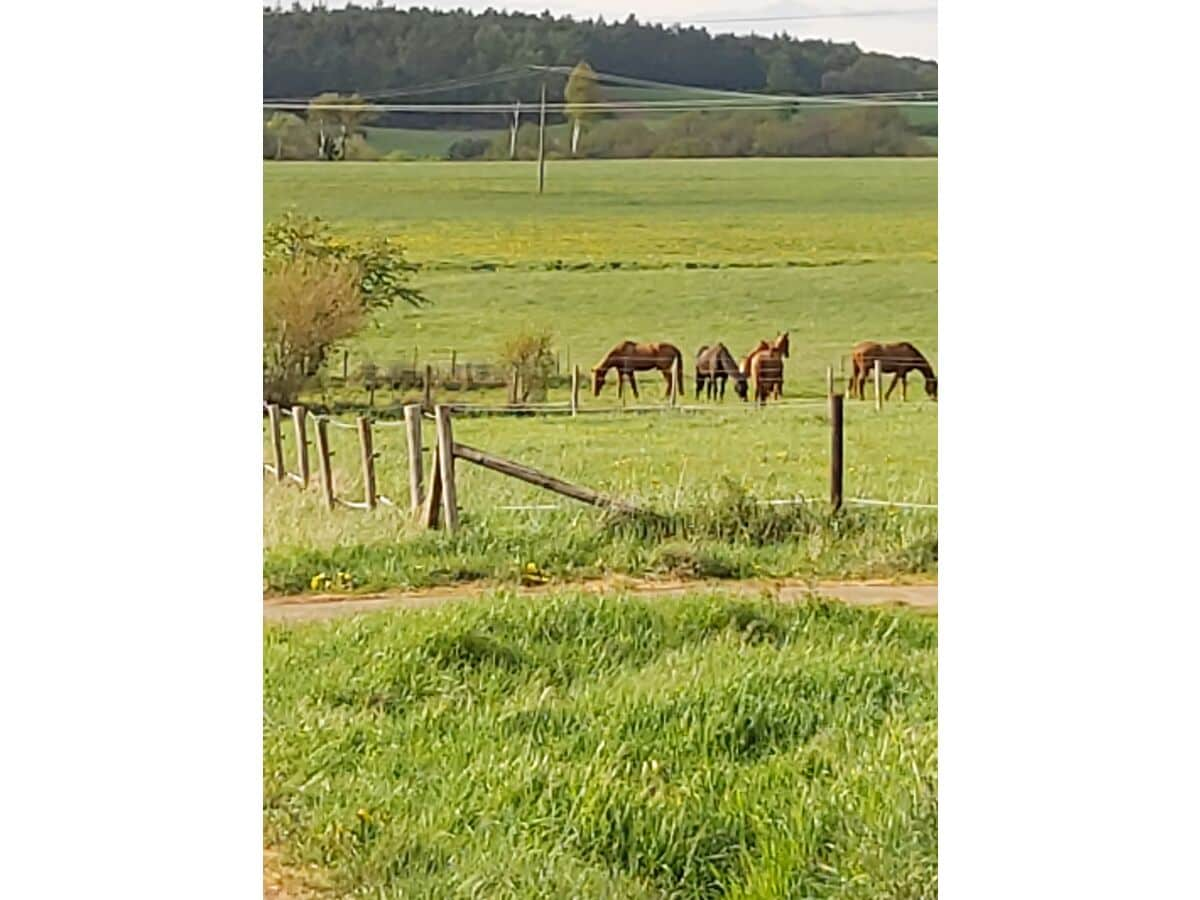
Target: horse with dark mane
714, 366
896, 360
764, 366
628, 357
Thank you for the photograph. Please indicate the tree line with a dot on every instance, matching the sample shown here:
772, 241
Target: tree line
306, 52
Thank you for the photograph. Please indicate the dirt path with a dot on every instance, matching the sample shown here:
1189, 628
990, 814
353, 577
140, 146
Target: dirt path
308, 607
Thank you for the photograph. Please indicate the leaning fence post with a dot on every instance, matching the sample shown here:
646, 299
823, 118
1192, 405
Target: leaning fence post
323, 461
300, 420
445, 462
345, 366
276, 441
829, 381
878, 385
368, 459
514, 377
575, 391
412, 423
427, 388
835, 451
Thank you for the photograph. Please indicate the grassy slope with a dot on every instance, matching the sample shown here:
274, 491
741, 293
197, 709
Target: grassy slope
585, 747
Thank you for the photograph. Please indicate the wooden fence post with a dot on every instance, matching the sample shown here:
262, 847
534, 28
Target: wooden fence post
835, 451
323, 461
345, 366
427, 388
276, 441
368, 459
453, 365
445, 462
300, 420
878, 385
412, 423
513, 385
575, 391
829, 381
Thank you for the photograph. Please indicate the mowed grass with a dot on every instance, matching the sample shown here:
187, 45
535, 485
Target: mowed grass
574, 746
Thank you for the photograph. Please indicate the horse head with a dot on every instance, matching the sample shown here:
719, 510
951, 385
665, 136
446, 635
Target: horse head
931, 386
597, 380
742, 387
780, 344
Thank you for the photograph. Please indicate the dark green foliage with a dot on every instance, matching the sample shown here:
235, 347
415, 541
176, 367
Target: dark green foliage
468, 148
306, 52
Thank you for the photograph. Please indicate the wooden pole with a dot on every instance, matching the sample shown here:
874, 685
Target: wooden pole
453, 364
416, 474
829, 381
345, 366
368, 459
300, 420
835, 451
276, 441
878, 385
516, 124
542, 142
445, 462
323, 461
575, 391
513, 385
427, 388
541, 479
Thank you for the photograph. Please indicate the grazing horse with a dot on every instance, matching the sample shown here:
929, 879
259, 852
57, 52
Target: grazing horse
894, 359
628, 357
714, 366
776, 349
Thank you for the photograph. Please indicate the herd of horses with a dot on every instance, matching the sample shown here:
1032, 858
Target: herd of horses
762, 367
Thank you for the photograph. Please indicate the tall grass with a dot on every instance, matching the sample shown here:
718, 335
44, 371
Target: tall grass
607, 747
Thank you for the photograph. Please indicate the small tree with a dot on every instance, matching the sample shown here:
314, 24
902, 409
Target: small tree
336, 126
530, 354
582, 89
306, 313
308, 305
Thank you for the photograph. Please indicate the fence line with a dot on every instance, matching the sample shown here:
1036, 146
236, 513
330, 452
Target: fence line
446, 449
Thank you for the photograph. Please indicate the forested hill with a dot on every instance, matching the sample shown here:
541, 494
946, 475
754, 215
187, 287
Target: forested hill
306, 52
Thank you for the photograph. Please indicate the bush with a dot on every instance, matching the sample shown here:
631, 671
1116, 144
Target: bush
468, 148
530, 353
308, 305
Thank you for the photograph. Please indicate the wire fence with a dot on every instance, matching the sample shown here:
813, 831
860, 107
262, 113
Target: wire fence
363, 426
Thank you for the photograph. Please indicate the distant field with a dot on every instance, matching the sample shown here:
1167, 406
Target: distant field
571, 746
637, 213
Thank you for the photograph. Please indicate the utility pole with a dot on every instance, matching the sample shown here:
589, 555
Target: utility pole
542, 141
512, 144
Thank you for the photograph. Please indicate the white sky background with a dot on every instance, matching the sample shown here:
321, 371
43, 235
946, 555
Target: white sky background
911, 34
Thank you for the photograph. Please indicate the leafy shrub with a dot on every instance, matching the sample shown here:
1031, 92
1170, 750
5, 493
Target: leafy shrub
530, 353
468, 148
308, 305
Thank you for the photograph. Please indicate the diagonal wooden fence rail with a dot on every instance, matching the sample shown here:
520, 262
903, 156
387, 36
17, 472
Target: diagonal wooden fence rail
438, 501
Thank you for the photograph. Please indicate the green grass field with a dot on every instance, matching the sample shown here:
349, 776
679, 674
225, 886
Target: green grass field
691, 252
574, 746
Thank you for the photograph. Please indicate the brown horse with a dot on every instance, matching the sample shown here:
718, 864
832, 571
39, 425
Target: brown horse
766, 371
776, 349
896, 360
628, 357
714, 366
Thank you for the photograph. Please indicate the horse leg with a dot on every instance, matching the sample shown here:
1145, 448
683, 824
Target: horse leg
699, 383
892, 386
633, 385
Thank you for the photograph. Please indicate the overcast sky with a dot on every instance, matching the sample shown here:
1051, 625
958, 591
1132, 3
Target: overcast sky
911, 29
